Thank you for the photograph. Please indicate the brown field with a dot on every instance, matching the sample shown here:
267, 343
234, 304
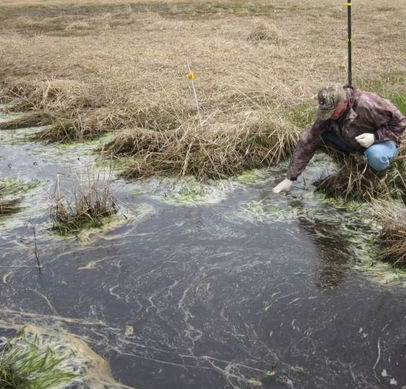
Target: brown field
90, 67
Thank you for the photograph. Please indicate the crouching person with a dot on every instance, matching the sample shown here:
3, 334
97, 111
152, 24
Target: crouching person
352, 122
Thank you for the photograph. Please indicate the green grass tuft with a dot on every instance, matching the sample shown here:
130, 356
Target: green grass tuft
26, 362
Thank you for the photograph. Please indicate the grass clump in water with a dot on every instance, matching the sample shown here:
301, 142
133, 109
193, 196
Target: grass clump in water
27, 362
92, 203
354, 180
392, 217
203, 152
62, 131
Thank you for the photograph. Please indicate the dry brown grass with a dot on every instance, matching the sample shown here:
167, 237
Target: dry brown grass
91, 202
393, 236
265, 32
97, 66
195, 149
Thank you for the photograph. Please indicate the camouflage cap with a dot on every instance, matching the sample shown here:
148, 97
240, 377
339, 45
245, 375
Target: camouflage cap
329, 98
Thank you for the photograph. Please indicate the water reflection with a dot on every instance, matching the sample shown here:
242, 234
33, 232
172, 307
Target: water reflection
343, 237
336, 253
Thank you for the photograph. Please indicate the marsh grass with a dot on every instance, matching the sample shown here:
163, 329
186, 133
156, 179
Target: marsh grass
392, 218
354, 180
91, 203
64, 131
203, 153
28, 362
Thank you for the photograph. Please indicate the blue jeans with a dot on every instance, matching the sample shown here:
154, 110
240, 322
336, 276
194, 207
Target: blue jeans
379, 155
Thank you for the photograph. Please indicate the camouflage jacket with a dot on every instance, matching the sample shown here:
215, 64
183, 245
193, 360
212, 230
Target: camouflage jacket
367, 113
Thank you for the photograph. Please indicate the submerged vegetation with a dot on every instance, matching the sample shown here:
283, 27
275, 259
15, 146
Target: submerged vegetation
91, 203
28, 362
11, 191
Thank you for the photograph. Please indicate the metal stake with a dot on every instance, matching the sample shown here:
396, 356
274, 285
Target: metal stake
349, 8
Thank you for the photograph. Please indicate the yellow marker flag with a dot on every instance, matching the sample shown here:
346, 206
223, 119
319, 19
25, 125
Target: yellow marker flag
191, 76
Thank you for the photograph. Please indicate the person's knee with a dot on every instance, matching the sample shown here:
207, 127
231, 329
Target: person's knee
377, 160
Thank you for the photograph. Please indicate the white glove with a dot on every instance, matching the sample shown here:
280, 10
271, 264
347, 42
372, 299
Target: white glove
284, 186
365, 140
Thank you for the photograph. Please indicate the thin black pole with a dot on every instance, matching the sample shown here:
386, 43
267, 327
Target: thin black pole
36, 249
349, 8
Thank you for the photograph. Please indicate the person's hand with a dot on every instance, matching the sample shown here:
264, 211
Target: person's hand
284, 186
365, 140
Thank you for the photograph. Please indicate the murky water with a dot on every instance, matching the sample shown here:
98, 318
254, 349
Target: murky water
243, 289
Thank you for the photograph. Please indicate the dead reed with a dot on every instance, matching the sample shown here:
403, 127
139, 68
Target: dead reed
91, 203
392, 217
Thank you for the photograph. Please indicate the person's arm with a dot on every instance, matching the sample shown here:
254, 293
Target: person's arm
309, 141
